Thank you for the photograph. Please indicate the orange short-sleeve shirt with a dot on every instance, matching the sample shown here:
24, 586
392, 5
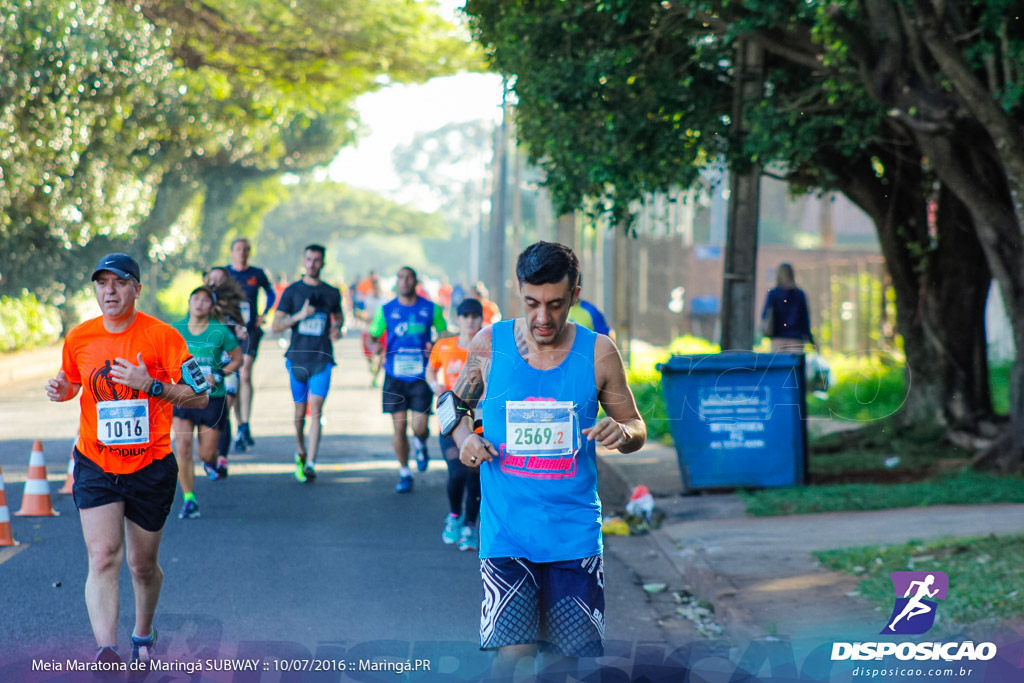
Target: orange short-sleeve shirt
122, 429
449, 358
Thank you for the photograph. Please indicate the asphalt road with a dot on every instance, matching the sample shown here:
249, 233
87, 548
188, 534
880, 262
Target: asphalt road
340, 569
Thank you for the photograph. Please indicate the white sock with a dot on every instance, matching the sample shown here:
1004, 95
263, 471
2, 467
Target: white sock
404, 472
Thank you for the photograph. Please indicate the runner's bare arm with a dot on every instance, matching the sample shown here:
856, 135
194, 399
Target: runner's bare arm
136, 376
337, 322
60, 389
282, 321
432, 380
622, 428
473, 379
234, 363
471, 387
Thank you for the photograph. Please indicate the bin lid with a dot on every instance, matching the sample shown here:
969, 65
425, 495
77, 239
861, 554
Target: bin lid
729, 360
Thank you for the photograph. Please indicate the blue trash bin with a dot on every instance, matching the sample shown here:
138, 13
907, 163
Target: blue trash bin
737, 419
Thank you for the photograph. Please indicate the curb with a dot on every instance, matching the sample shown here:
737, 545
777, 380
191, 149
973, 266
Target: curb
714, 588
695, 570
612, 487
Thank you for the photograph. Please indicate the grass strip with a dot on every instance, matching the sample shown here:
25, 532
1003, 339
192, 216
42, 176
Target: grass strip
961, 488
986, 576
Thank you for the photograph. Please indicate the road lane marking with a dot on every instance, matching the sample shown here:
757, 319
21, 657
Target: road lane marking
10, 551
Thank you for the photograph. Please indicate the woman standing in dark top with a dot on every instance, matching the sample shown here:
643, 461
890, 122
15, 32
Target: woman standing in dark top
785, 317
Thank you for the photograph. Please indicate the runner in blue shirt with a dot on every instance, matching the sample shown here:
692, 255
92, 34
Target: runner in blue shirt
252, 280
537, 383
409, 321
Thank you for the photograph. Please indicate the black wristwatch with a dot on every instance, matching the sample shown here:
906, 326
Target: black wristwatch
156, 389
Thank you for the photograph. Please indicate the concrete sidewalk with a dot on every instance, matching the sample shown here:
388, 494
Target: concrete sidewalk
758, 574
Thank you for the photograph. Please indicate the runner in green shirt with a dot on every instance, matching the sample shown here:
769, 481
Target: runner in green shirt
207, 340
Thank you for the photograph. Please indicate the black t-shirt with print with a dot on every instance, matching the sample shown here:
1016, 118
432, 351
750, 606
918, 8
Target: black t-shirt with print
311, 346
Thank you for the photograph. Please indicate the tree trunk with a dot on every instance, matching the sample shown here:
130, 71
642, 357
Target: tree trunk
971, 170
941, 284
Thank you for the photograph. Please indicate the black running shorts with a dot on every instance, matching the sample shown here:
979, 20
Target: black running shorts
399, 396
147, 494
214, 415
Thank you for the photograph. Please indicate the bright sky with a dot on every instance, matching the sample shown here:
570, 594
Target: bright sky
393, 115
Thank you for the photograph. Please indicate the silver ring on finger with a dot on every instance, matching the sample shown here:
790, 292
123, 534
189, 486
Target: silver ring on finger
472, 458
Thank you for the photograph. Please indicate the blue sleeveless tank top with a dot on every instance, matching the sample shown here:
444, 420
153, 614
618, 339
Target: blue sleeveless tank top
539, 497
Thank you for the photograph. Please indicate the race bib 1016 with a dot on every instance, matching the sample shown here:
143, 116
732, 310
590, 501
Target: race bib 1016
123, 422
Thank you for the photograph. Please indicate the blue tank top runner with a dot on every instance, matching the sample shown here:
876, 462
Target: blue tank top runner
409, 335
539, 497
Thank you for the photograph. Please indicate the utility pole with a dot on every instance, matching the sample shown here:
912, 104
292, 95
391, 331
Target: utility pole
496, 254
739, 278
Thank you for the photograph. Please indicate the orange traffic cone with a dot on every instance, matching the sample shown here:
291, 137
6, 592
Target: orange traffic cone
5, 517
69, 481
36, 501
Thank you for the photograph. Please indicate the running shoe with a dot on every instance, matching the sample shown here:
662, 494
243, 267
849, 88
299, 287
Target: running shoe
190, 510
452, 529
310, 471
300, 468
244, 429
470, 539
109, 665
108, 655
211, 472
422, 457
142, 648
239, 442
222, 466
404, 485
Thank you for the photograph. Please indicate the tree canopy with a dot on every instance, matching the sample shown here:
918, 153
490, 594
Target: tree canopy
900, 104
118, 118
326, 212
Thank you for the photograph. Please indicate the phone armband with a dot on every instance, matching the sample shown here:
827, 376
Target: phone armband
450, 411
193, 376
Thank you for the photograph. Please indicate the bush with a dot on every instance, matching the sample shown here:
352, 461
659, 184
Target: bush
999, 383
173, 298
26, 323
645, 380
862, 389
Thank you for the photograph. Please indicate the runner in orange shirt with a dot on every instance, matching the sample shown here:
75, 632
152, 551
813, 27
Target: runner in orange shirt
134, 369
448, 356
492, 313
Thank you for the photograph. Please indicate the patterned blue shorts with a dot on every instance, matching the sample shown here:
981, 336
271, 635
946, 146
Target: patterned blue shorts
558, 605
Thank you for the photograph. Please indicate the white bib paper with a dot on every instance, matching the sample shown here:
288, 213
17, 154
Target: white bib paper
539, 427
246, 314
314, 325
123, 422
409, 363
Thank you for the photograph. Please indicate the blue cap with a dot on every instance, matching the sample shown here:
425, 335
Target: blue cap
121, 265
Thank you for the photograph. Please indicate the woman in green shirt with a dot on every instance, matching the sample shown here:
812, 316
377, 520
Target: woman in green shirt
208, 340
